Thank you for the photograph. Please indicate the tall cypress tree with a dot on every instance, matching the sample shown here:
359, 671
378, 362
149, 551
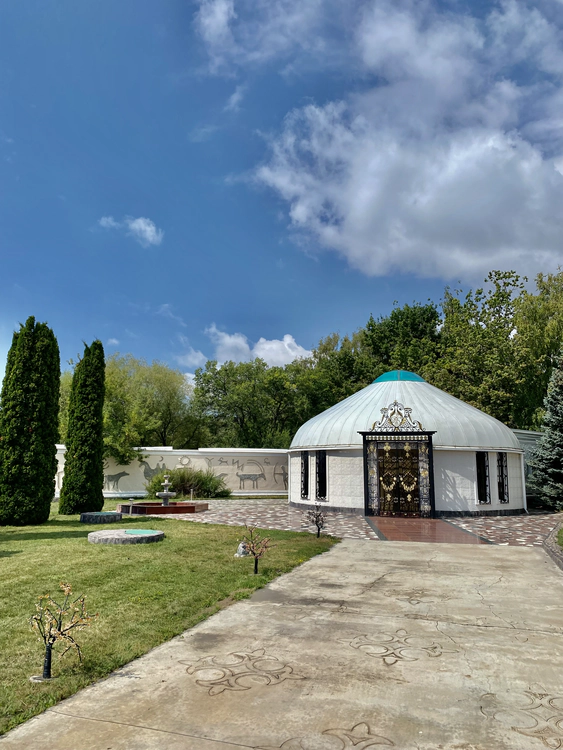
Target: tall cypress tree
29, 407
547, 463
83, 480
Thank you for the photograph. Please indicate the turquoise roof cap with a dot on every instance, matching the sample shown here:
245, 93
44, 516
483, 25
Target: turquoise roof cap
399, 375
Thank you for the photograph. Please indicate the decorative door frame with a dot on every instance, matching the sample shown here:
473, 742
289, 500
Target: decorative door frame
426, 469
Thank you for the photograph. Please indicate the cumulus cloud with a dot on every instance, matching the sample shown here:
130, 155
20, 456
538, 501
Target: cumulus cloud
252, 32
447, 158
191, 358
143, 230
438, 171
113, 342
237, 348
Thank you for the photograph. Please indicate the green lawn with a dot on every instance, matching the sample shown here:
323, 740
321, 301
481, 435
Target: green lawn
144, 594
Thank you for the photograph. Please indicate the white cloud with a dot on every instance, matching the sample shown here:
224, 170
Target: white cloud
279, 353
203, 133
108, 222
235, 99
448, 165
143, 230
191, 358
237, 348
251, 32
165, 311
113, 342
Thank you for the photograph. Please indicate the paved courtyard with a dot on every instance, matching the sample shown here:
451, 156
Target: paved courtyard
518, 531
404, 645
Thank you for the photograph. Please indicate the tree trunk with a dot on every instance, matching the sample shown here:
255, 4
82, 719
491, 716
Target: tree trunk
47, 662
255, 565
318, 531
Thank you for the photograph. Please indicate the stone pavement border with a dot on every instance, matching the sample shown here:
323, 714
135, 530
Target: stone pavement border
551, 545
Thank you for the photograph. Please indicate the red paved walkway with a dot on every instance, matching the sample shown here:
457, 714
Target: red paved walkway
422, 530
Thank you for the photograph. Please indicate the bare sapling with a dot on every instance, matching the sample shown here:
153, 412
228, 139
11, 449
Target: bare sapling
317, 518
55, 622
256, 545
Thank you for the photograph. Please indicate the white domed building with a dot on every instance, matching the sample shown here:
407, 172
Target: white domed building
402, 447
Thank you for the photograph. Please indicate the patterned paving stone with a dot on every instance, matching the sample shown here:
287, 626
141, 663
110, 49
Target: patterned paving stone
278, 514
515, 531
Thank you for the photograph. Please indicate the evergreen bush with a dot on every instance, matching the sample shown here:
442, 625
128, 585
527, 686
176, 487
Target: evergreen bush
547, 463
182, 481
83, 481
29, 405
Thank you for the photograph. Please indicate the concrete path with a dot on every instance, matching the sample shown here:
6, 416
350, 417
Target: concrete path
405, 645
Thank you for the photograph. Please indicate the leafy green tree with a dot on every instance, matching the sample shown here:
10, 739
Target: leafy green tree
246, 404
407, 339
539, 337
476, 358
29, 425
547, 464
145, 404
83, 480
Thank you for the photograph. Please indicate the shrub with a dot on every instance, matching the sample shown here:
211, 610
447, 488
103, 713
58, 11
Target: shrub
182, 481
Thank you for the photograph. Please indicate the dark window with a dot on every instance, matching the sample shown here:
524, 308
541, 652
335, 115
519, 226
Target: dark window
304, 474
502, 477
483, 488
321, 475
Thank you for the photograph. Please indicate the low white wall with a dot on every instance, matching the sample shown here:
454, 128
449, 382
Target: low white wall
246, 471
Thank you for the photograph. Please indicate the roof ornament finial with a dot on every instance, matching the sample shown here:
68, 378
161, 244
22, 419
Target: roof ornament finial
397, 418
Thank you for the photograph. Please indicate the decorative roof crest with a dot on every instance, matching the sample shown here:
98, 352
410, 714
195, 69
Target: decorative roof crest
397, 418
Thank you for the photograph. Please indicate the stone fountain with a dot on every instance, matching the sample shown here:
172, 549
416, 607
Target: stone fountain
166, 495
148, 508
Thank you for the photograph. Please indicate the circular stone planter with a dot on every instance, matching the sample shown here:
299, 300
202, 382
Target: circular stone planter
108, 516
125, 536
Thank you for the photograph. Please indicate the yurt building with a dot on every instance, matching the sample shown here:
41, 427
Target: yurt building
402, 447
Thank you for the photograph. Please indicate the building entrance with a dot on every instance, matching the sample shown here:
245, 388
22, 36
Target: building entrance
398, 466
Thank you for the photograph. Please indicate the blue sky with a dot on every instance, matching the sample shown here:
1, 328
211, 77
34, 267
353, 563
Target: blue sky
236, 178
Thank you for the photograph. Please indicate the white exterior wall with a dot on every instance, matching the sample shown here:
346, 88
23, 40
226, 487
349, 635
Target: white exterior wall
345, 478
455, 482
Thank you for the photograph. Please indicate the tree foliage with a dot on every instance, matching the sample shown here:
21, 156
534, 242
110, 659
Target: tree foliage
477, 350
145, 404
547, 464
29, 425
83, 480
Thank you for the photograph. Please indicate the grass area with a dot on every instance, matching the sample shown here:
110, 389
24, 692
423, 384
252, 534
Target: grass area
560, 537
145, 594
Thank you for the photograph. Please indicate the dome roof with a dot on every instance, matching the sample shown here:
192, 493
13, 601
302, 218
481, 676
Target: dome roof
456, 424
